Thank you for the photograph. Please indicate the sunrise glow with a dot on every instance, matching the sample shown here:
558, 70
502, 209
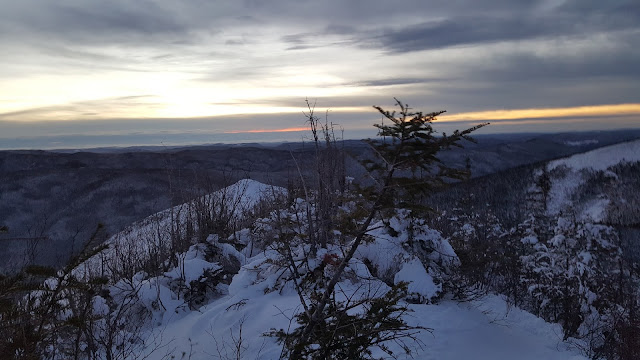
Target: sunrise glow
513, 114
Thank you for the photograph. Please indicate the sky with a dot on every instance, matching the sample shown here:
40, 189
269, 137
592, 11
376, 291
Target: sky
166, 69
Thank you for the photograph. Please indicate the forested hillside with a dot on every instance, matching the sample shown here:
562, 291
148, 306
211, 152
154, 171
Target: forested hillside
560, 239
54, 199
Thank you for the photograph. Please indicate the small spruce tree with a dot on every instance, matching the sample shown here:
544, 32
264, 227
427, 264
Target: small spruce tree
406, 166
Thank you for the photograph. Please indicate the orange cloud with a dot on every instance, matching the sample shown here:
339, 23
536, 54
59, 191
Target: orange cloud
578, 111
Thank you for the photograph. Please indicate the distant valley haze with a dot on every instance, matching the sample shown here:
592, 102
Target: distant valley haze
80, 74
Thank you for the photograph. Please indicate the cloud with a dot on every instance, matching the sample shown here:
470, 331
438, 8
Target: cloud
95, 22
88, 109
445, 23
459, 30
530, 67
397, 81
267, 130
198, 55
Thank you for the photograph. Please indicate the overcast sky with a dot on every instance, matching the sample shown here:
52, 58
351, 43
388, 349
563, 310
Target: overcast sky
116, 67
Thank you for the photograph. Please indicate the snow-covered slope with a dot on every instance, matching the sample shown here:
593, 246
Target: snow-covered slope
602, 158
569, 174
156, 230
256, 300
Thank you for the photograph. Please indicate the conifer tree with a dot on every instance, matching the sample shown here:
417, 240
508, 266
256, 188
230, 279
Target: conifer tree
406, 167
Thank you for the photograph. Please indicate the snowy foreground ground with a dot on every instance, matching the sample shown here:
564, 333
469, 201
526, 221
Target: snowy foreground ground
482, 330
486, 329
235, 322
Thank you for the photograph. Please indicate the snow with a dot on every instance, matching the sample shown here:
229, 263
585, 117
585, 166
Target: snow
419, 281
581, 142
568, 174
155, 230
254, 305
596, 210
258, 300
602, 158
393, 262
249, 192
562, 188
192, 266
488, 329
530, 239
485, 329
